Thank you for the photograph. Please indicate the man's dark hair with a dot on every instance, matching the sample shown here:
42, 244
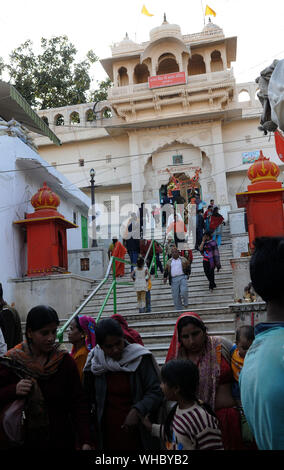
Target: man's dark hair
1, 291
184, 374
247, 331
107, 327
208, 232
267, 267
140, 262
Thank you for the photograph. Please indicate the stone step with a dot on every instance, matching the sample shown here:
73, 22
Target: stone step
163, 290
206, 313
197, 272
152, 339
195, 275
160, 349
150, 329
165, 298
123, 310
127, 292
157, 327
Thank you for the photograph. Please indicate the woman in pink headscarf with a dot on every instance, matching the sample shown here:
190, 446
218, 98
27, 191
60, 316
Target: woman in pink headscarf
82, 336
211, 354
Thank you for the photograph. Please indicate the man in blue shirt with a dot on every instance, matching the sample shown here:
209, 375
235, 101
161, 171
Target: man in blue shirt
262, 377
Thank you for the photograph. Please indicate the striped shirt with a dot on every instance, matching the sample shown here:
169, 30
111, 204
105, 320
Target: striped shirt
194, 429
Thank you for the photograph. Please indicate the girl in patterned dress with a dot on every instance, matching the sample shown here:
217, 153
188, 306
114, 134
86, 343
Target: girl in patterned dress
190, 424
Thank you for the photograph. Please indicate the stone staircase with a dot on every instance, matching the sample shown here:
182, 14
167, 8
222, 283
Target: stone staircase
157, 326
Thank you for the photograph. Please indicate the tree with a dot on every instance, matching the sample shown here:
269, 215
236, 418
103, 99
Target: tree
52, 78
101, 93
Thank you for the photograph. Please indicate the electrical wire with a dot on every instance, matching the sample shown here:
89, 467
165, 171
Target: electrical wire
127, 156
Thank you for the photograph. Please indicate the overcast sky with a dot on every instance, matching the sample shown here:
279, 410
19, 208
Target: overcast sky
96, 24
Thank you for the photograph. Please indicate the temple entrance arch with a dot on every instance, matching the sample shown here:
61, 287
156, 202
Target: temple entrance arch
174, 160
181, 187
183, 160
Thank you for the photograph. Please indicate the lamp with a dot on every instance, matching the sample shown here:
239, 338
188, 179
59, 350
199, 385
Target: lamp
92, 181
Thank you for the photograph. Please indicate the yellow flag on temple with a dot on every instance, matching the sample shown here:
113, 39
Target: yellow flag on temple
145, 11
209, 11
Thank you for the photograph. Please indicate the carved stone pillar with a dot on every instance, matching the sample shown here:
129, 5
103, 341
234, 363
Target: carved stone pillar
207, 60
137, 169
219, 169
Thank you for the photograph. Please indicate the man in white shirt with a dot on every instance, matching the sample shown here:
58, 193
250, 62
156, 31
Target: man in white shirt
178, 270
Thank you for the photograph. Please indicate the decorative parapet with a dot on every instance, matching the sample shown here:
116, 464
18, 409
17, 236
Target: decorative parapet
195, 82
127, 46
75, 116
249, 313
204, 36
217, 82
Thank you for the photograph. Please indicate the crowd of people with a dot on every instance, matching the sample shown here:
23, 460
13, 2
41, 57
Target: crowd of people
178, 266
109, 394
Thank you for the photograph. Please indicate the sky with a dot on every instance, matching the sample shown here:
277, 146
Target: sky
96, 24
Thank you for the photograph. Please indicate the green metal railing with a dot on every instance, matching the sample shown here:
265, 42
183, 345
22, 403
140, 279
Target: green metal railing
113, 286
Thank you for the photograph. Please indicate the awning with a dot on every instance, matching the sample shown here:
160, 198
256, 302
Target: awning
14, 106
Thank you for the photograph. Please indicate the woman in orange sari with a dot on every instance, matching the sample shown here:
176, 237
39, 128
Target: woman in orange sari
119, 251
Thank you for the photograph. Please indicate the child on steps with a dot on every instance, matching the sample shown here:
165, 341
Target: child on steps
140, 275
190, 424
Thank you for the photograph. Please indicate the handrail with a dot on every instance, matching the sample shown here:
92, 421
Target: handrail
112, 288
80, 308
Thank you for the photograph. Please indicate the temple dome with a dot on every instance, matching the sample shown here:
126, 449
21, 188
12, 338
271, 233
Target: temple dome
263, 170
165, 30
45, 198
211, 27
125, 45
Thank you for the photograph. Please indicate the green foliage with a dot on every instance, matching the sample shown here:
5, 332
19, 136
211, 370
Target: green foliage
101, 93
51, 78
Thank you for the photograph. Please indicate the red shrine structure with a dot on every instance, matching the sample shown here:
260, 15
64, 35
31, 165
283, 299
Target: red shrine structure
46, 235
263, 200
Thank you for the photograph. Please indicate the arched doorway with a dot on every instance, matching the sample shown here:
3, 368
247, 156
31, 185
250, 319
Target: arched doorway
181, 186
183, 190
167, 64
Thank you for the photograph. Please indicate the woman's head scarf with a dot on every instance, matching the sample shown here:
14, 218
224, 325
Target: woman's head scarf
87, 325
175, 344
131, 335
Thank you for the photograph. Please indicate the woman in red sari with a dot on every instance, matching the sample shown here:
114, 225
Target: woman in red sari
119, 251
212, 356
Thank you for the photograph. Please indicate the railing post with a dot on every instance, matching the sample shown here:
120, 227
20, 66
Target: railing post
60, 337
164, 257
155, 261
114, 287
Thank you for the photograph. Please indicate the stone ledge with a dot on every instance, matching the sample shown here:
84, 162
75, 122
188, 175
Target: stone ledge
249, 313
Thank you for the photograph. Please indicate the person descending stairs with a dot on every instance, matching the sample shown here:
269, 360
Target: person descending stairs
156, 327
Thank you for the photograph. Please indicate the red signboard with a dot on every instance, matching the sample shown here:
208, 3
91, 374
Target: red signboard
168, 79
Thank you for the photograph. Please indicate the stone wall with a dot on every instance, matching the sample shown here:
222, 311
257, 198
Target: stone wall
63, 292
88, 262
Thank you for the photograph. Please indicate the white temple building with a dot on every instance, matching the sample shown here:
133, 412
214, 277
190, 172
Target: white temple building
174, 107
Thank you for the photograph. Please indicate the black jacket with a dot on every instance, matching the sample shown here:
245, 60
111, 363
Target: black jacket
10, 325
